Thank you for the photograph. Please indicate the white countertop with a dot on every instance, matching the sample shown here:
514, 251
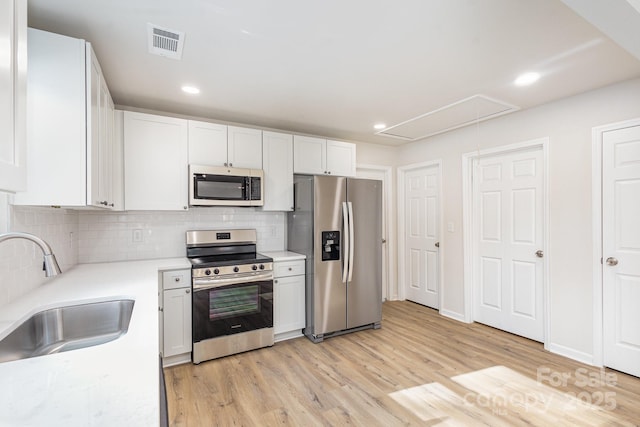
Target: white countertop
279, 256
112, 384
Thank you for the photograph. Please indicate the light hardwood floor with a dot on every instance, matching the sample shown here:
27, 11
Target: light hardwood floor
419, 369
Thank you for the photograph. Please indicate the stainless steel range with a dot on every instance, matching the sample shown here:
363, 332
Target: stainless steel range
232, 293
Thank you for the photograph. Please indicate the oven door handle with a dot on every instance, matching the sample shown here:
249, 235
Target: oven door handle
201, 284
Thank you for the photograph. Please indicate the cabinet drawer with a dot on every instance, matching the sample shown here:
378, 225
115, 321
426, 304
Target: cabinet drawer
176, 279
288, 268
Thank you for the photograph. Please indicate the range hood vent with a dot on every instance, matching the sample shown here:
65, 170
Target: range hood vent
165, 42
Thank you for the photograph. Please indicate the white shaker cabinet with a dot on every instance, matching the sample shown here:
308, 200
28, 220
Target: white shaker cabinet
13, 94
207, 143
175, 317
288, 299
212, 144
244, 147
318, 156
69, 125
277, 163
155, 162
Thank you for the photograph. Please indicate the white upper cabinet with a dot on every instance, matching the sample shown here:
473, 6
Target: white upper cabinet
318, 156
341, 158
244, 147
69, 125
212, 144
155, 162
207, 144
277, 162
13, 94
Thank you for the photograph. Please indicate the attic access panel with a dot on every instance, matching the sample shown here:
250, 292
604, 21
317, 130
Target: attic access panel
476, 108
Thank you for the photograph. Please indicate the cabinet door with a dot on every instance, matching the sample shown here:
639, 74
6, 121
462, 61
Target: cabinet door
117, 167
341, 158
56, 121
207, 144
289, 304
13, 94
244, 148
309, 155
155, 162
99, 144
177, 321
277, 162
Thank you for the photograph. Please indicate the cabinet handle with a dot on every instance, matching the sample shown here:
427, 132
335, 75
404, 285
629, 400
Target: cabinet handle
187, 291
104, 203
160, 309
329, 173
226, 164
230, 165
290, 268
177, 279
184, 207
275, 281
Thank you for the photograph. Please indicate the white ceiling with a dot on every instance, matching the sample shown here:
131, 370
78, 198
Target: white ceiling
335, 67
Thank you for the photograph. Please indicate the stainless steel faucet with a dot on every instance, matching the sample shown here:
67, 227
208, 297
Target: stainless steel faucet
50, 265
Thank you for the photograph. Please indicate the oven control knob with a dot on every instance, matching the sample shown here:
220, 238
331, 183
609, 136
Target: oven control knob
236, 269
254, 267
207, 272
261, 266
216, 271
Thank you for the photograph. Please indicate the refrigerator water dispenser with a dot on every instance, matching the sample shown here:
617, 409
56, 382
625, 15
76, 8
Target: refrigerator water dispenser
330, 246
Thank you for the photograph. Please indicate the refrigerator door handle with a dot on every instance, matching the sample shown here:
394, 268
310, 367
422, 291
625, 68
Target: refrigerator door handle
351, 241
345, 237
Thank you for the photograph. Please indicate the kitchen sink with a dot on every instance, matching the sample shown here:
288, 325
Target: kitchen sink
67, 328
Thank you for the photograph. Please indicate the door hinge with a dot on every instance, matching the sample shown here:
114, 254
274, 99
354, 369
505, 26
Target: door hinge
600, 260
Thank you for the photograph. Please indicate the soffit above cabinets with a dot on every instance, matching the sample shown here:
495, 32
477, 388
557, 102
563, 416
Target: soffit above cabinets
474, 109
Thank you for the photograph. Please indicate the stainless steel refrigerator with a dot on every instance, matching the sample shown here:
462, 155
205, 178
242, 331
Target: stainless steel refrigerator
337, 224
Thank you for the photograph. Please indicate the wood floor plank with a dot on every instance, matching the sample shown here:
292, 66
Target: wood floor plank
419, 369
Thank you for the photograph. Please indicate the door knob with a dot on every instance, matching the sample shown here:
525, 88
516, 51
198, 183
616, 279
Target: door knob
612, 261
539, 254
437, 244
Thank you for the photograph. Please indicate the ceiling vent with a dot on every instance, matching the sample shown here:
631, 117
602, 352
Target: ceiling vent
474, 109
165, 42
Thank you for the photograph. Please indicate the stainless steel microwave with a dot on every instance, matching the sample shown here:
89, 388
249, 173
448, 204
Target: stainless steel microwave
223, 186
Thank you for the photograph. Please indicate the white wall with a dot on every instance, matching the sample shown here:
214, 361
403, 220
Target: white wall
568, 124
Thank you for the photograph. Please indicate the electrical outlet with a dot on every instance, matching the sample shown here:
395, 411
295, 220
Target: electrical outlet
137, 236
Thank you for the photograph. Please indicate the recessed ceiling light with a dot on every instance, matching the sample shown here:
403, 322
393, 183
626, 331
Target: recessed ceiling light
379, 126
526, 79
192, 90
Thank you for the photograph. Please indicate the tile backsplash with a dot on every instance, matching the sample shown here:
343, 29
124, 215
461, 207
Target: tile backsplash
78, 237
21, 260
119, 236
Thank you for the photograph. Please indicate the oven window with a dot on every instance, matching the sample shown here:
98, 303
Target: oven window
234, 301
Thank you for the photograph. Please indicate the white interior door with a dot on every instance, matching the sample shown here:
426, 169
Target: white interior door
380, 174
421, 252
508, 216
621, 249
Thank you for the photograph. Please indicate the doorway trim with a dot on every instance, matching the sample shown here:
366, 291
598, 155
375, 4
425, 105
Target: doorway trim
391, 290
402, 172
468, 229
597, 134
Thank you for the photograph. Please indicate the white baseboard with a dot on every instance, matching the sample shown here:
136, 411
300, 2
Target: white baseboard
178, 359
287, 335
571, 353
453, 315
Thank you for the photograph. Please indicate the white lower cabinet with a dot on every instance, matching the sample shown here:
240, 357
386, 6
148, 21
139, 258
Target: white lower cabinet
289, 300
175, 317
